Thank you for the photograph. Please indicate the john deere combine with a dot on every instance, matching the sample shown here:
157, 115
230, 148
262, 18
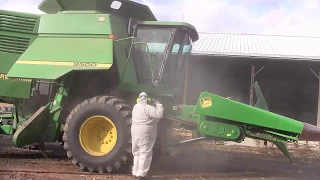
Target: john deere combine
74, 73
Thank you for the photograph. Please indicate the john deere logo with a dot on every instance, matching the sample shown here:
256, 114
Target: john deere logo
205, 102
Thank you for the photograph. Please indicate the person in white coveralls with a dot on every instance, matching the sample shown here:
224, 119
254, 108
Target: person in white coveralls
145, 118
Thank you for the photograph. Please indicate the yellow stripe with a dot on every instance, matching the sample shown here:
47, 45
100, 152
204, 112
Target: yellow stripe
56, 63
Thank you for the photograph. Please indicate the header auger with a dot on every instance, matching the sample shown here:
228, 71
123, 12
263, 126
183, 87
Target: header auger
74, 73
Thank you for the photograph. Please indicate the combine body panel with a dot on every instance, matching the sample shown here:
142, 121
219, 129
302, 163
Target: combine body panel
84, 63
68, 42
17, 33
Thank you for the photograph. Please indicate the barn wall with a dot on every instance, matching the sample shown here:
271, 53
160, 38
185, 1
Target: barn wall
223, 77
289, 87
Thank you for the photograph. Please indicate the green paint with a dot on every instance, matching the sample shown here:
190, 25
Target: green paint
35, 71
283, 136
221, 130
53, 49
6, 116
55, 126
16, 34
31, 129
14, 89
236, 112
73, 24
10, 59
6, 129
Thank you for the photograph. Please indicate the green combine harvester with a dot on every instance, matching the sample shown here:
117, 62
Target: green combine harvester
74, 73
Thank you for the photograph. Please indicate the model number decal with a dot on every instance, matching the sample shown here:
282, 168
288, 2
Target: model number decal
85, 64
4, 76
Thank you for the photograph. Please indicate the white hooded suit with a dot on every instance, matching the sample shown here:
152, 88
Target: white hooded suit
144, 133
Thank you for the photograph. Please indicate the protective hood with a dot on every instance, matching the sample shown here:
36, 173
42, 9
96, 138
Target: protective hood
142, 100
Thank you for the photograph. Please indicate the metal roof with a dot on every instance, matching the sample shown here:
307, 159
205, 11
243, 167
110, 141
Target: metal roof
250, 45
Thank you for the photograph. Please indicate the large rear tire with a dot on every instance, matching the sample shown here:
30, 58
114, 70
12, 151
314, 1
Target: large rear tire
97, 135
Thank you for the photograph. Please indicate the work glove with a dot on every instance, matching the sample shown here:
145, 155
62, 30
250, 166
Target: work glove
157, 103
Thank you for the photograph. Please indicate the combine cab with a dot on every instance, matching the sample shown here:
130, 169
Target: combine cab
73, 75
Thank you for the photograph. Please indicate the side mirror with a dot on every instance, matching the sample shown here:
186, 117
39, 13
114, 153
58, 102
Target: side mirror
132, 24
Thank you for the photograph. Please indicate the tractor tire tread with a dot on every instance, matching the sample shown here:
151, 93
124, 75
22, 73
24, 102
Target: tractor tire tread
123, 156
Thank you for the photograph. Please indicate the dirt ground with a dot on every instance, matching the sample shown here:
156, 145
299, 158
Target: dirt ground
201, 161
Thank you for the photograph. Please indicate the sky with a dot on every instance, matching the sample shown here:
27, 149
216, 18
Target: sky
272, 17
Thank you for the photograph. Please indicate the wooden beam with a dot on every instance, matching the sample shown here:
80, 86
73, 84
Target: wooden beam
318, 113
253, 71
185, 88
